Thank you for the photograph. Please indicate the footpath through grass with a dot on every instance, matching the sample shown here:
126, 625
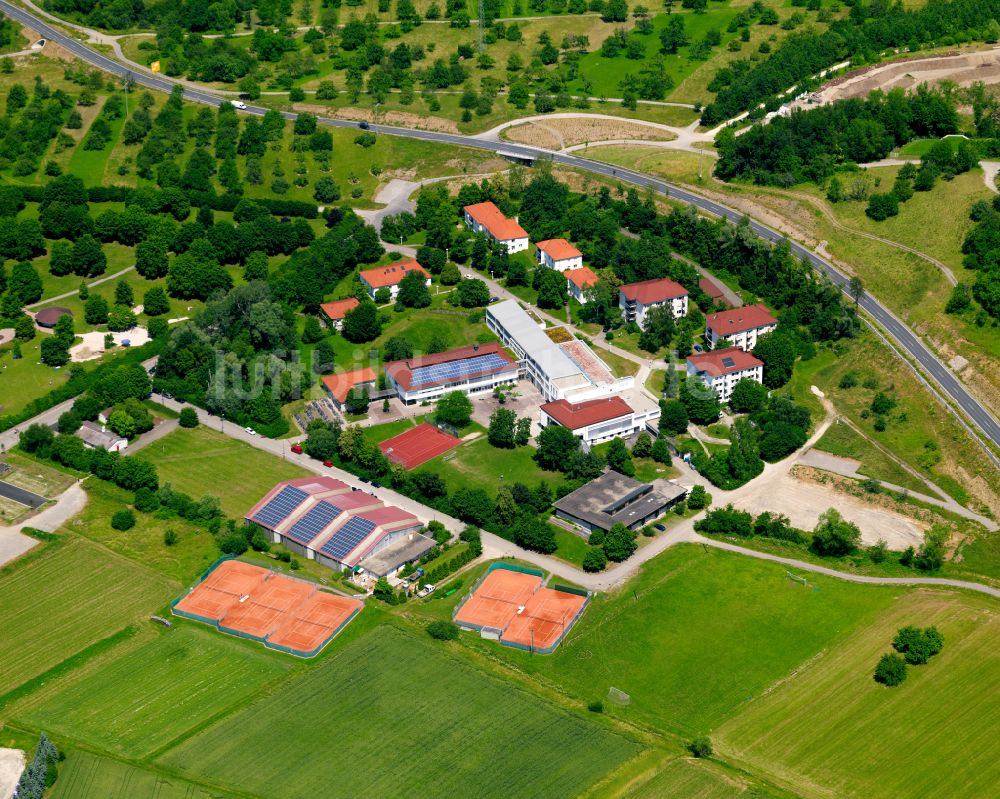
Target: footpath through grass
397, 708
831, 724
699, 633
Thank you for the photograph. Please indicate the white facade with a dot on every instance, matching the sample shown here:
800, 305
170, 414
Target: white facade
513, 245
636, 310
393, 292
745, 340
561, 265
724, 384
472, 385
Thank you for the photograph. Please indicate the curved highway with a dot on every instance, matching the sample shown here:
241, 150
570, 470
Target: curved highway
904, 338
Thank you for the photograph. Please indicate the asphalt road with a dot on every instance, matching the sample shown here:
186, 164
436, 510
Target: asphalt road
903, 337
21, 495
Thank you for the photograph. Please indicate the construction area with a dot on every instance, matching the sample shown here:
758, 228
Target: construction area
283, 613
511, 604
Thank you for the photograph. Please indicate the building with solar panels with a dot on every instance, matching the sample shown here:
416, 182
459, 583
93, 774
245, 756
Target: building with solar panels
324, 519
721, 370
472, 370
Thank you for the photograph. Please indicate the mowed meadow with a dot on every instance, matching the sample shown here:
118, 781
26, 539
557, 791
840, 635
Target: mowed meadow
831, 726
391, 708
67, 598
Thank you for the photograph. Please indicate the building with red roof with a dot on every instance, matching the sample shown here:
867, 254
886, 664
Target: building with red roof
578, 281
486, 218
339, 385
713, 290
638, 299
721, 370
390, 276
476, 369
336, 311
324, 519
558, 254
739, 327
593, 421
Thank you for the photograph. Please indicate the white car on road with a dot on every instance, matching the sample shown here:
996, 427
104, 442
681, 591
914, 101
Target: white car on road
239, 104
426, 590
250, 430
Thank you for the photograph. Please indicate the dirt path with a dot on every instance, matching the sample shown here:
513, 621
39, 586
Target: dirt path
14, 543
990, 171
73, 293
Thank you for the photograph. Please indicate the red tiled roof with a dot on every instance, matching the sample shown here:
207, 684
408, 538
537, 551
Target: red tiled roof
582, 278
402, 371
389, 516
656, 290
338, 309
711, 288
382, 276
499, 226
559, 249
736, 320
340, 384
583, 414
724, 362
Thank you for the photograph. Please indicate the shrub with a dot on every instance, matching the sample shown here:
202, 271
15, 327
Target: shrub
918, 645
596, 707
699, 498
891, 670
123, 520
595, 560
700, 747
443, 630
189, 417
170, 538
146, 500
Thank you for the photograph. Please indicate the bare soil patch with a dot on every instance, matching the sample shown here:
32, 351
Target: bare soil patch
558, 133
805, 493
964, 69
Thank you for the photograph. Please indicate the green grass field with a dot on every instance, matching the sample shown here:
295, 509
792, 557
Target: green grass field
479, 464
832, 725
193, 552
159, 692
86, 776
686, 778
65, 599
843, 441
699, 633
201, 461
398, 708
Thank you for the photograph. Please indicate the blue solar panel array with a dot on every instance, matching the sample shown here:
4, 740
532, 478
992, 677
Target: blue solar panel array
279, 508
455, 370
313, 521
347, 537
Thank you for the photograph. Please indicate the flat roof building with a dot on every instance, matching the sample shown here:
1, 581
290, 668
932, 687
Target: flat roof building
486, 218
614, 498
569, 370
739, 327
721, 370
638, 299
472, 370
324, 519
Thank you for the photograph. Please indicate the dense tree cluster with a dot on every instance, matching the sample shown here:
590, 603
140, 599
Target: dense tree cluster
811, 144
40, 773
869, 29
982, 254
29, 125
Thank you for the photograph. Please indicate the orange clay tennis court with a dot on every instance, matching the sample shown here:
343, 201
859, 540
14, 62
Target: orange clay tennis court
418, 445
280, 612
517, 610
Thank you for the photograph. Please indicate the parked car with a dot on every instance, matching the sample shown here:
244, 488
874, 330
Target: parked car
296, 449
328, 464
427, 590
660, 527
250, 430
240, 105
376, 484
697, 348
415, 576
